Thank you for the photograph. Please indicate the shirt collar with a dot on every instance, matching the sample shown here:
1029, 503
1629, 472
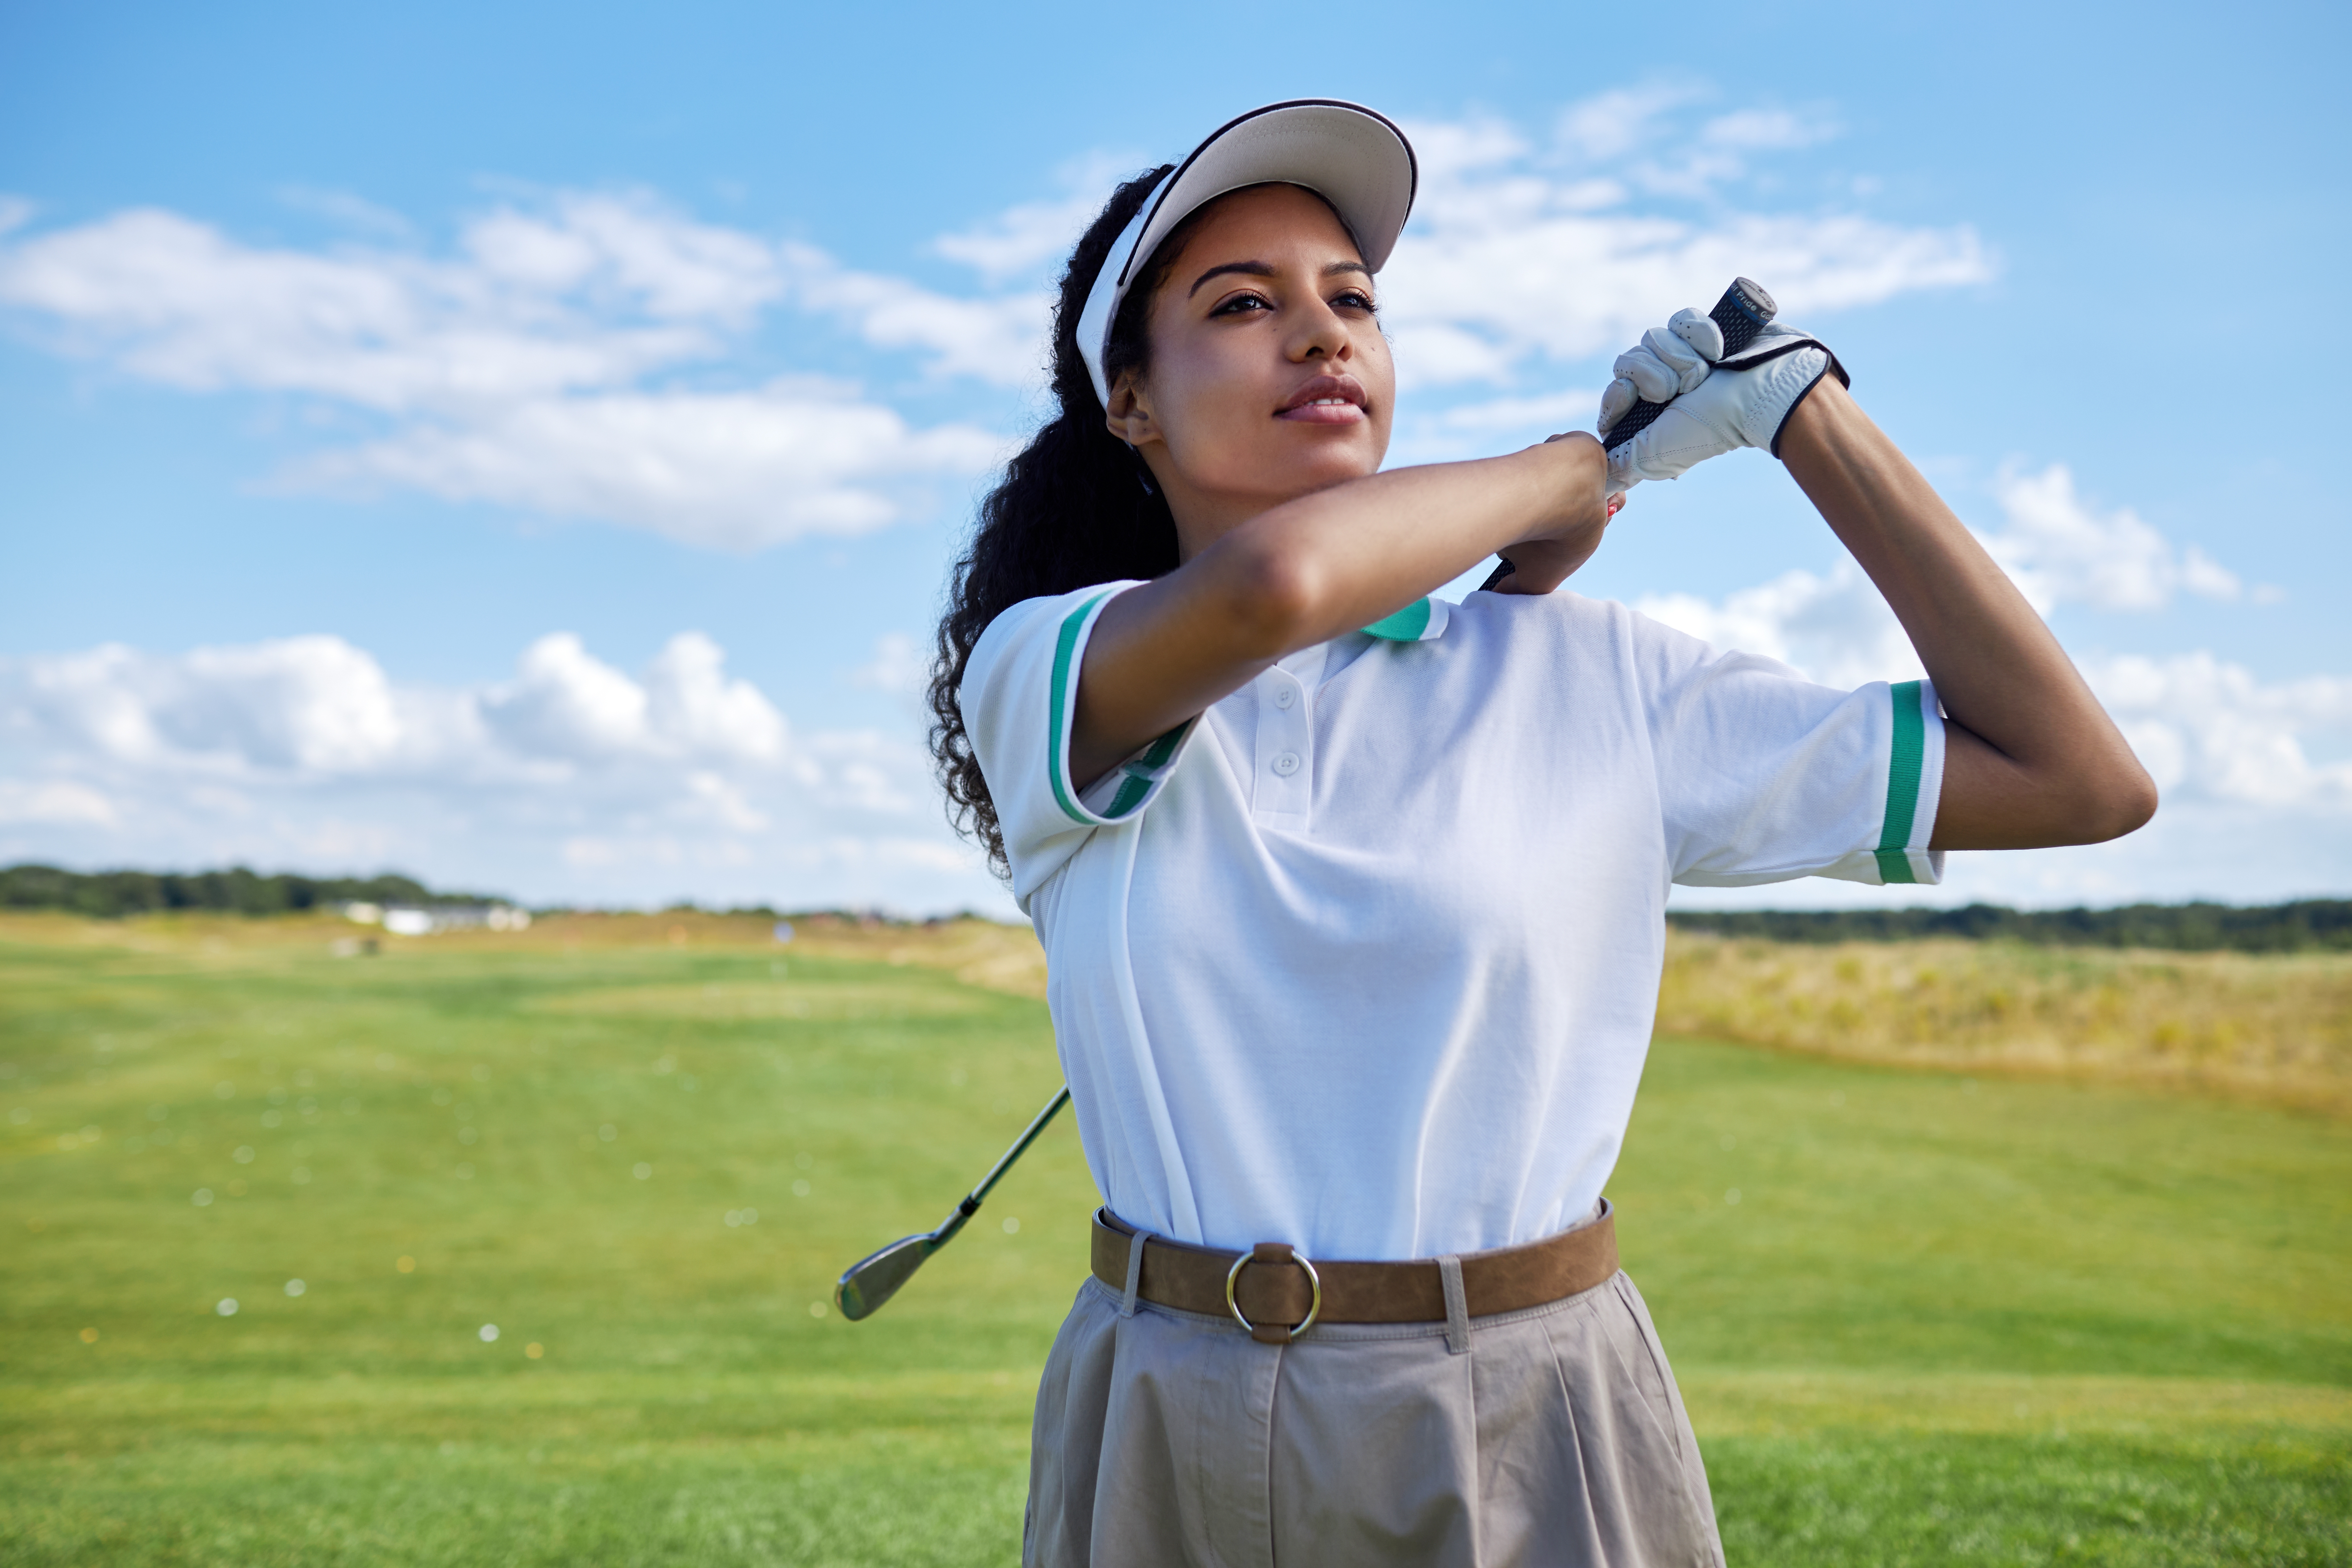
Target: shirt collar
1424, 620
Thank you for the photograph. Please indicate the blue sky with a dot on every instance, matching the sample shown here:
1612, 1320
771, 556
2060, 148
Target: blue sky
524, 448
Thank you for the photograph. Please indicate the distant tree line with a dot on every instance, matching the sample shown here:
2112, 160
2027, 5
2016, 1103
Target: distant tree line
109, 894
2307, 926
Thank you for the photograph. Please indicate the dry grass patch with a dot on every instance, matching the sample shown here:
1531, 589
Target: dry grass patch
2276, 1028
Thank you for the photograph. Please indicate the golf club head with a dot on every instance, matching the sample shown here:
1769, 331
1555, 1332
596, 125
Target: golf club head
873, 1279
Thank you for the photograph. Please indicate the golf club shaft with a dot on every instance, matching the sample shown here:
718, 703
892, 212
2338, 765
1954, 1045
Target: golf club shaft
972, 1200
1021, 1146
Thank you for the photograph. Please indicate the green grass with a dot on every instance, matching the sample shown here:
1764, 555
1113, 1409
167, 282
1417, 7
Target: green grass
1946, 1320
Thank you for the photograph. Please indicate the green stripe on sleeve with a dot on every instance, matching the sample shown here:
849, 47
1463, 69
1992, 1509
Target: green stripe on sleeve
1163, 748
1057, 714
1132, 790
1141, 772
1904, 754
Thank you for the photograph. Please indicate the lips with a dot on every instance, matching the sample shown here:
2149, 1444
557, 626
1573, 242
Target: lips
1326, 400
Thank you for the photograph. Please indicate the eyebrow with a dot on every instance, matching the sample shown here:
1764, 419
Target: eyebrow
1266, 269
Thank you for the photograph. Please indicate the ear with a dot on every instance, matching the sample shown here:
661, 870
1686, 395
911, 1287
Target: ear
1129, 417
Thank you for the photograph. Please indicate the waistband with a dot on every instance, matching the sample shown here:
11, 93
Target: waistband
1278, 1293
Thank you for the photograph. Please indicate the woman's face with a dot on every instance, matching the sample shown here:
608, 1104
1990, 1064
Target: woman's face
1269, 376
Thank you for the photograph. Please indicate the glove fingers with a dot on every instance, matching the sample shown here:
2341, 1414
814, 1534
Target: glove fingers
1656, 381
1698, 329
1615, 398
1677, 356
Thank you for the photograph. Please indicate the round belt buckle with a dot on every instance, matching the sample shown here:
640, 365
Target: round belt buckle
1314, 1301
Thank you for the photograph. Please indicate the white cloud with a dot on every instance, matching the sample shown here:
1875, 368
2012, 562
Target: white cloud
1475, 429
1610, 125
317, 708
532, 362
2059, 549
1032, 239
1517, 253
1835, 628
515, 369
1766, 129
1504, 267
696, 710
1000, 340
566, 705
598, 294
1551, 411
312, 705
1838, 629
900, 665
54, 802
571, 778
2205, 728
738, 471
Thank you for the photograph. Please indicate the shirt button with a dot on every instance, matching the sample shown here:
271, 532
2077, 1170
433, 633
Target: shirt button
1284, 696
1287, 763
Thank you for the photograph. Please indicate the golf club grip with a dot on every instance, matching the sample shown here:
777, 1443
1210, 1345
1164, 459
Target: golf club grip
1744, 311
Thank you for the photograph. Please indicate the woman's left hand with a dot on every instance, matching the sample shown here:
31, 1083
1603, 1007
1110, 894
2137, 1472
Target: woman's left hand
1715, 403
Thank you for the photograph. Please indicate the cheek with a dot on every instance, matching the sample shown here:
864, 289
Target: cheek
1209, 397
1376, 367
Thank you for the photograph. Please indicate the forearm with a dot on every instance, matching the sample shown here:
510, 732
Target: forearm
1307, 570
1328, 563
2035, 759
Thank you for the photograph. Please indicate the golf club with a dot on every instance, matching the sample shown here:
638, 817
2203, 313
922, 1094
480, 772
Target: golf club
873, 1279
1744, 311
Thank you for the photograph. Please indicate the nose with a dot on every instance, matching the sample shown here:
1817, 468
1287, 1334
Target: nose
1320, 332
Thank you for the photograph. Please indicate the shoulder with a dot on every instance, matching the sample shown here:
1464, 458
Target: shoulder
1048, 620
1520, 625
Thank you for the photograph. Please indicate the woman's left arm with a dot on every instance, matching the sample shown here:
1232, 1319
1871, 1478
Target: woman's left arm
2031, 759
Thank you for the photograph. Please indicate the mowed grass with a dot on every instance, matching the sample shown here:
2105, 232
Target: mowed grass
1945, 1318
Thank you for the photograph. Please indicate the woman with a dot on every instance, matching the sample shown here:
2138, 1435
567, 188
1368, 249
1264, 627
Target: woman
1352, 900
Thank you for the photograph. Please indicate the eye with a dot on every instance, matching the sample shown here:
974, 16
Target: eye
1241, 304
1353, 299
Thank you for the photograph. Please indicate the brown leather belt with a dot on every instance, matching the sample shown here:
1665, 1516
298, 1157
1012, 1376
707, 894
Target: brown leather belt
1277, 1294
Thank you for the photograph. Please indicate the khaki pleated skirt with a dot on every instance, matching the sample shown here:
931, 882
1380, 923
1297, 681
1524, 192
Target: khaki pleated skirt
1557, 1436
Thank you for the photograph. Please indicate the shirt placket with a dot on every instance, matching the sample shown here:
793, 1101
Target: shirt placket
1282, 775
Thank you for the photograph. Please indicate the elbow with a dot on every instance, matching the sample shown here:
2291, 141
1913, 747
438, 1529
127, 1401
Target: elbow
1274, 599
2121, 800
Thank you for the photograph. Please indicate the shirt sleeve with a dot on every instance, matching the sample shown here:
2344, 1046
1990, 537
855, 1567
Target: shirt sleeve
1765, 776
1019, 692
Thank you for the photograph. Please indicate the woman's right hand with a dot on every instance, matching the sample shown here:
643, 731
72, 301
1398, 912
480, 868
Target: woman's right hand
1540, 564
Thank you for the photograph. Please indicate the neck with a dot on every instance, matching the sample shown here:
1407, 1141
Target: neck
1202, 518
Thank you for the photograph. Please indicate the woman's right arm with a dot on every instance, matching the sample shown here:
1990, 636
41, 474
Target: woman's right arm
1309, 569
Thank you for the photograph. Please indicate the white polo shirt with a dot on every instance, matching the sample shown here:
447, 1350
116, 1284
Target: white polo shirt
1365, 957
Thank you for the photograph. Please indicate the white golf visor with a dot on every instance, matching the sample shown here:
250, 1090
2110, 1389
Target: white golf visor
1352, 158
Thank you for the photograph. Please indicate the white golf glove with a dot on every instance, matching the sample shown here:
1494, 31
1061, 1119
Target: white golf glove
1714, 404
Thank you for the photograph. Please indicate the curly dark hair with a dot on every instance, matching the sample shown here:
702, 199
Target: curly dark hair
1071, 509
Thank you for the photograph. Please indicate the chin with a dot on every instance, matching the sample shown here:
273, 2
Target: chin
1321, 470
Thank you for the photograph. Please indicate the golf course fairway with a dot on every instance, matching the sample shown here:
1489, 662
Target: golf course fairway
564, 1214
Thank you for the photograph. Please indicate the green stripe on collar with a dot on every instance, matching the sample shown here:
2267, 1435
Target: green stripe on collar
1417, 622
1905, 756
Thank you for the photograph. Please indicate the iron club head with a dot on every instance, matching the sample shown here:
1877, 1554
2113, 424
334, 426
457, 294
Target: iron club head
874, 1278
